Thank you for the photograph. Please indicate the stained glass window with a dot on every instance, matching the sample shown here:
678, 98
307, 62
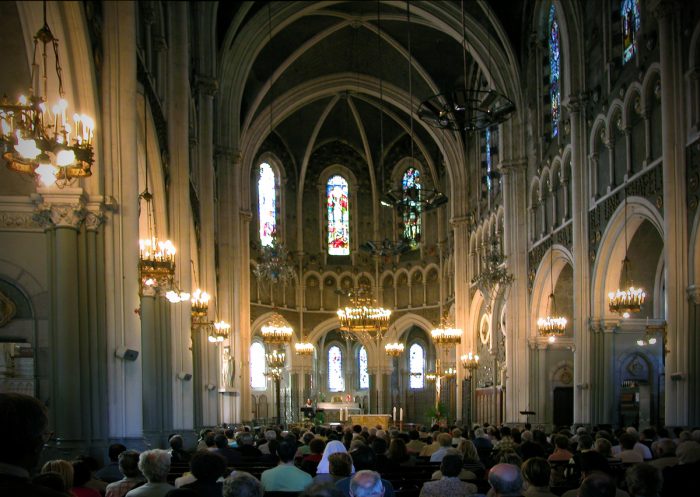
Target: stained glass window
487, 138
257, 365
631, 22
362, 363
267, 200
554, 86
336, 376
416, 366
338, 216
411, 187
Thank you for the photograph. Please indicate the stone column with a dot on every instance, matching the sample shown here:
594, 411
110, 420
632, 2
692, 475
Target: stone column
62, 214
580, 193
462, 278
515, 245
121, 233
243, 268
694, 359
206, 87
675, 223
152, 409
179, 211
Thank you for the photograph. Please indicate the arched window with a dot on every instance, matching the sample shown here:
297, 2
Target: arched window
336, 376
337, 201
411, 188
416, 366
362, 368
631, 21
554, 83
267, 204
487, 139
257, 366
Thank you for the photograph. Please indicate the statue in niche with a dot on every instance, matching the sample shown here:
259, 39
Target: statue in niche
228, 368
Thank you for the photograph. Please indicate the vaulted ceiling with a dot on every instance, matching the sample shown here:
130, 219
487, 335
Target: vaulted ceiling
272, 50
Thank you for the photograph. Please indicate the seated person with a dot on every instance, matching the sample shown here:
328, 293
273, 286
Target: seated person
111, 472
285, 477
449, 484
207, 467
311, 461
242, 484
339, 467
129, 467
463, 474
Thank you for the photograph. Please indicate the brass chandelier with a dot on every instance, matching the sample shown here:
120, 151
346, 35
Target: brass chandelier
445, 335
156, 257
470, 361
39, 139
304, 348
276, 330
276, 361
219, 332
394, 349
552, 325
363, 320
627, 299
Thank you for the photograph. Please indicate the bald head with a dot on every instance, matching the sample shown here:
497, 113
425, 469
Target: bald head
366, 483
506, 479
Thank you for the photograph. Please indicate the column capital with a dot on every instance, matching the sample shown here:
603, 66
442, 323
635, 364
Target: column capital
206, 85
50, 215
513, 166
693, 292
575, 103
94, 216
229, 154
246, 216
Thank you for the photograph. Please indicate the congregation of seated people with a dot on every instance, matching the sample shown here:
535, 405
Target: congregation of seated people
357, 461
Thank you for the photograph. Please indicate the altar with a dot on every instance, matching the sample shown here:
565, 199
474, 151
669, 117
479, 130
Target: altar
371, 420
332, 409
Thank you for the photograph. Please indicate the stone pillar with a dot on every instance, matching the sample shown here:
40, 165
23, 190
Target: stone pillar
121, 233
675, 223
152, 410
180, 214
462, 278
206, 87
694, 359
62, 212
515, 245
580, 193
243, 305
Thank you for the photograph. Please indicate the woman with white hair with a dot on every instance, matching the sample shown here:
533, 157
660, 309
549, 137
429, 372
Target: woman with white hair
154, 464
323, 468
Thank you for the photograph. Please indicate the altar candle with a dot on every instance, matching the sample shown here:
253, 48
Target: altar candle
401, 414
393, 417
346, 414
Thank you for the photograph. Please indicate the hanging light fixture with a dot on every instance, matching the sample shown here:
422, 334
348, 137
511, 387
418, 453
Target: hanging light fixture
416, 198
466, 109
219, 332
627, 299
552, 325
385, 247
39, 139
363, 320
394, 349
277, 330
470, 361
156, 257
276, 361
304, 348
445, 335
493, 275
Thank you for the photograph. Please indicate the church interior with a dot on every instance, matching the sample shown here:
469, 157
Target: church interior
454, 211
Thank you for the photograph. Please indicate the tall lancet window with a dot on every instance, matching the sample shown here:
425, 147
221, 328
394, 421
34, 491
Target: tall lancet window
554, 60
267, 204
336, 375
631, 22
489, 159
338, 204
257, 366
411, 187
362, 368
416, 366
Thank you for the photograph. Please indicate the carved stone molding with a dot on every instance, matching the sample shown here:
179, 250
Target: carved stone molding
19, 221
60, 215
693, 292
